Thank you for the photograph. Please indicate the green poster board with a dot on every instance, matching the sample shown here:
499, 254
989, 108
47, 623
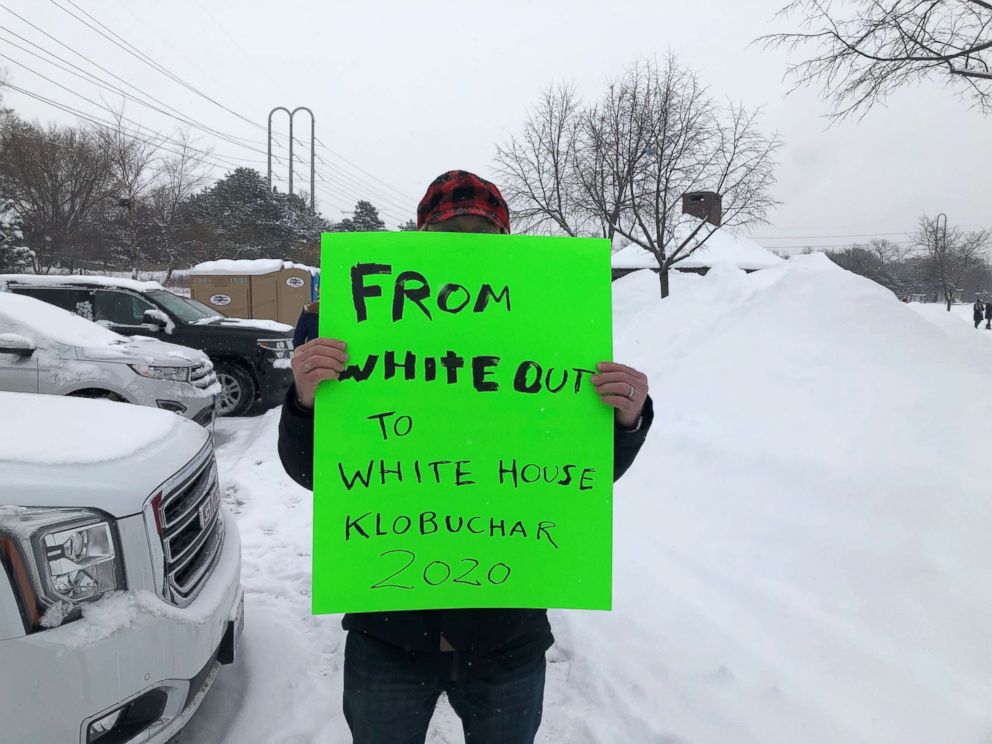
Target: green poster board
464, 458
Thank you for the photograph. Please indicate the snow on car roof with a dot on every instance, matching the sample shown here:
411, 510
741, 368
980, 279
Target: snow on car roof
722, 247
75, 280
241, 266
31, 317
50, 429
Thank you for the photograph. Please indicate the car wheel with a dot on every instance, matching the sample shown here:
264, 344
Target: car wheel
237, 393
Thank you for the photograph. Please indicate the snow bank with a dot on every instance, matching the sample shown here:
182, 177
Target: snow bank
50, 430
802, 548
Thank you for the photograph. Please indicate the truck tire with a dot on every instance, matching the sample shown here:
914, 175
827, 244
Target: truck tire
238, 389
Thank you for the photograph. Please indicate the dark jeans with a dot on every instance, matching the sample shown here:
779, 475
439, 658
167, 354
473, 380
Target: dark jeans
389, 697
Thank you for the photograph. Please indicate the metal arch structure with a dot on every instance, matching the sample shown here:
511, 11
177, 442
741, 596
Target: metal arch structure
313, 145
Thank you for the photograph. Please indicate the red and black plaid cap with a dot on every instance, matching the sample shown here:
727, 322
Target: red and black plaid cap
459, 192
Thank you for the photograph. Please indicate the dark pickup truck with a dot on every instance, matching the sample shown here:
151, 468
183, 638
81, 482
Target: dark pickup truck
251, 357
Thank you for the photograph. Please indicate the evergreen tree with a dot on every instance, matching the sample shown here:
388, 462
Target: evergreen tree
365, 219
407, 226
239, 217
15, 258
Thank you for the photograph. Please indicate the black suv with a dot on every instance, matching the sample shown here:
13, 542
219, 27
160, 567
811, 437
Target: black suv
251, 357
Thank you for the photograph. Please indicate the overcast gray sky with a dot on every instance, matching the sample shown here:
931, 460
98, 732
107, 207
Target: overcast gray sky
406, 90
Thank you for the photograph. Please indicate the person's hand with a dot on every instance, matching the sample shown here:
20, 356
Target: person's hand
623, 388
316, 361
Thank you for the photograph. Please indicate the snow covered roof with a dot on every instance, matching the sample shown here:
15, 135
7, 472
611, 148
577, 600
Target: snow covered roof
69, 280
28, 316
722, 246
244, 266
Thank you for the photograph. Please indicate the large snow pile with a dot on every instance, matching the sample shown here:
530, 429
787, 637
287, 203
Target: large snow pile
803, 548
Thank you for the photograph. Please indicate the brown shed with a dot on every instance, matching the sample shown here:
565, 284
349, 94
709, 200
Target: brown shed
261, 288
294, 292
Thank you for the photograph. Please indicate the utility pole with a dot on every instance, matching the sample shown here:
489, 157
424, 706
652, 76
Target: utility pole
313, 143
128, 203
943, 258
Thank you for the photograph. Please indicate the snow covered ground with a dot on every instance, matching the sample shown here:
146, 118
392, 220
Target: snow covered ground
803, 549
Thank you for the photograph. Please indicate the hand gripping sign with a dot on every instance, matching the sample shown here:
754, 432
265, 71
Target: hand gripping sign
463, 459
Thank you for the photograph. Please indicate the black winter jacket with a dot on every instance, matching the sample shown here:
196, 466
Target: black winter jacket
483, 639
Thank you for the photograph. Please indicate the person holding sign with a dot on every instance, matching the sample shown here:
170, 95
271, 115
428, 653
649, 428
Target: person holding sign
489, 661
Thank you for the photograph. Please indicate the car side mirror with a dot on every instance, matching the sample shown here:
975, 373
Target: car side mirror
156, 318
14, 343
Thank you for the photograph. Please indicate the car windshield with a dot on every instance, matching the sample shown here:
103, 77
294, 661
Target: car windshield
210, 312
188, 311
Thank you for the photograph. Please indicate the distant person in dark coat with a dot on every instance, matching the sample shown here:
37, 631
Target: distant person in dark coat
979, 312
306, 326
988, 315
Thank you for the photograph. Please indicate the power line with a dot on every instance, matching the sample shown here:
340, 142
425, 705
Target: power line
141, 56
99, 81
349, 181
101, 122
824, 237
133, 51
799, 247
148, 60
155, 139
357, 167
233, 41
91, 101
338, 199
387, 210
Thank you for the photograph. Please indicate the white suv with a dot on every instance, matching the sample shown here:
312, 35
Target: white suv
120, 590
45, 349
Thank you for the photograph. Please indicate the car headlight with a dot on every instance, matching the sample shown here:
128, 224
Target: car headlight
59, 559
175, 374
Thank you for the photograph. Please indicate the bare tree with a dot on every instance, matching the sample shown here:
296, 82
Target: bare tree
866, 49
623, 165
879, 260
951, 254
59, 180
134, 167
614, 143
177, 179
537, 169
692, 144
886, 252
